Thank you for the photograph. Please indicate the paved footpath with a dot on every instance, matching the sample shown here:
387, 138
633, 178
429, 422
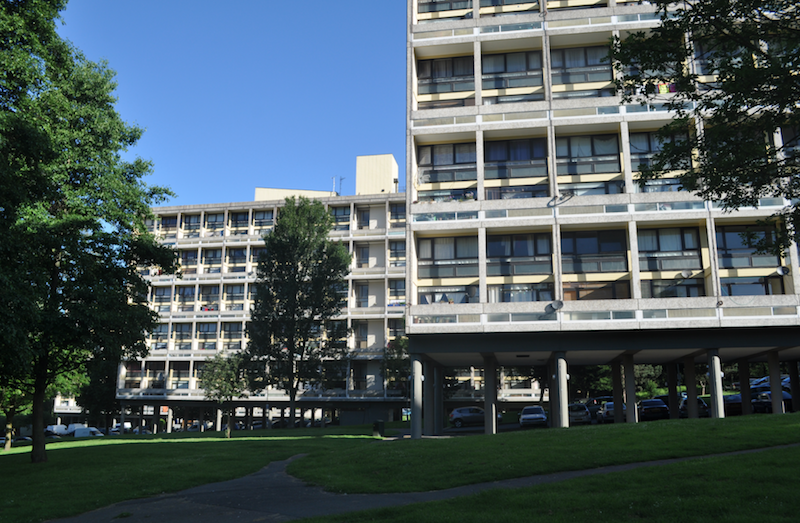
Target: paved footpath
271, 495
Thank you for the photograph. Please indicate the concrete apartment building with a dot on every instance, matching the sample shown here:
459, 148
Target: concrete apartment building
204, 311
529, 240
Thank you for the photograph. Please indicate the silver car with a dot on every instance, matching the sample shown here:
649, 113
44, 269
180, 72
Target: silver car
533, 416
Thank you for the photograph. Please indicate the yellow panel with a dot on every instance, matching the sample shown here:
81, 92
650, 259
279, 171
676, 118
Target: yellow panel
512, 91
445, 96
596, 277
588, 86
574, 178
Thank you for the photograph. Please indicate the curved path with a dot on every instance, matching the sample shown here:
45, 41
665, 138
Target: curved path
271, 495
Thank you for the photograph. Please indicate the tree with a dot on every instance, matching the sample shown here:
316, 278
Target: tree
13, 401
730, 110
224, 378
300, 274
98, 395
77, 230
396, 365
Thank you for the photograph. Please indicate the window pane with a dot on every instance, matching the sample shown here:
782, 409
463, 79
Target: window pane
639, 143
690, 239
496, 151
424, 69
648, 241
597, 56
519, 150
515, 62
562, 147
465, 153
670, 239
443, 249
425, 251
542, 244
443, 68
557, 57
575, 57
498, 246
494, 63
463, 66
606, 144
467, 247
443, 154
424, 155
581, 146
534, 61
523, 245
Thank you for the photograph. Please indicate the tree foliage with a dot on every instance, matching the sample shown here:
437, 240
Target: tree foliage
396, 365
300, 275
730, 110
224, 379
73, 231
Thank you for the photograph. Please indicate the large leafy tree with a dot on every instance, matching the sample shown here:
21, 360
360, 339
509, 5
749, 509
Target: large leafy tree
74, 234
730, 111
299, 278
224, 379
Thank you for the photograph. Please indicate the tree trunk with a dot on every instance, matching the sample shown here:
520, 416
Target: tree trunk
228, 424
38, 452
9, 428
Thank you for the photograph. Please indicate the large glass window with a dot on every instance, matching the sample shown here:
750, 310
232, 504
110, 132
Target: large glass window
512, 70
448, 257
688, 288
616, 290
454, 294
447, 163
515, 158
397, 253
763, 286
341, 218
518, 254
397, 288
646, 145
446, 75
595, 154
674, 248
581, 65
733, 251
520, 292
594, 251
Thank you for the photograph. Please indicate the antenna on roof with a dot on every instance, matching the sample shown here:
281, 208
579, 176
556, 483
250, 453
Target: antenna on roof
341, 179
333, 184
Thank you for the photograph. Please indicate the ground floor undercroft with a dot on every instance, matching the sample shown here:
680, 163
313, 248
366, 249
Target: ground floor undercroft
159, 415
674, 349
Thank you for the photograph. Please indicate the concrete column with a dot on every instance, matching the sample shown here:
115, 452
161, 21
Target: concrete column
744, 386
416, 397
775, 382
616, 381
141, 417
170, 415
690, 379
490, 394
561, 385
428, 386
438, 400
794, 382
630, 390
122, 418
219, 421
672, 386
715, 380
552, 402
201, 421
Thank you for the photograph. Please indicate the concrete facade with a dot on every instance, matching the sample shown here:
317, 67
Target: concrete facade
530, 240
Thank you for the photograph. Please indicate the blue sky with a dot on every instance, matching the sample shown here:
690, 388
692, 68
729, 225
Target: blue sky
246, 94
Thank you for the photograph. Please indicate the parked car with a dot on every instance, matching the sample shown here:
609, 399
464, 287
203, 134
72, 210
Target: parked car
469, 416
579, 414
762, 402
21, 441
665, 398
595, 404
650, 410
73, 427
702, 408
606, 414
533, 416
142, 430
87, 432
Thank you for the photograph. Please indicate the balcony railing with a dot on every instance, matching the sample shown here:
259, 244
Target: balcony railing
594, 263
669, 261
588, 165
511, 80
745, 260
518, 169
518, 266
454, 173
447, 268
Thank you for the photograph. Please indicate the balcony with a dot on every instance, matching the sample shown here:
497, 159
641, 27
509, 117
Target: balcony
605, 164
670, 261
519, 266
742, 260
452, 173
442, 196
448, 268
594, 263
516, 169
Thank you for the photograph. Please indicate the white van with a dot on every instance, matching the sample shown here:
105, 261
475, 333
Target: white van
87, 432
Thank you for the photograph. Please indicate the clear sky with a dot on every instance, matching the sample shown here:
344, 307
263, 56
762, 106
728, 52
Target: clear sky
252, 93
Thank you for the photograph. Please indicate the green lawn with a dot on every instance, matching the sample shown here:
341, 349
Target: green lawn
85, 474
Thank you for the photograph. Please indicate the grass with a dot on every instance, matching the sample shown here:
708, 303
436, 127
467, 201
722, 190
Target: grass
82, 475
746, 488
430, 464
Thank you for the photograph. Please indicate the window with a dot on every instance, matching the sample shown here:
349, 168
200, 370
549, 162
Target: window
515, 158
184, 293
517, 192
215, 221
182, 331
169, 222
733, 251
341, 218
363, 219
190, 222
206, 330
255, 253
594, 251
669, 249
532, 253
520, 292
397, 327
362, 295
397, 253
212, 256
455, 294
617, 290
446, 75
362, 256
580, 65
448, 257
209, 292
232, 331
237, 255
160, 332
162, 294
397, 211
596, 154
433, 6
763, 286
688, 288
646, 145
447, 163
262, 218
397, 288
591, 188
189, 257
512, 70
239, 219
